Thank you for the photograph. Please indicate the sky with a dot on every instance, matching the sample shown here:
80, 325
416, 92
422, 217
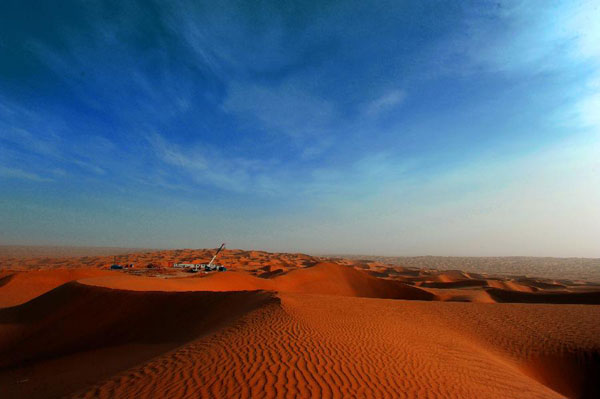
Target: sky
465, 128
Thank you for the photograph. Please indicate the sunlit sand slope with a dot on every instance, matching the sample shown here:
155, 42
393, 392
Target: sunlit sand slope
333, 279
19, 287
323, 278
340, 347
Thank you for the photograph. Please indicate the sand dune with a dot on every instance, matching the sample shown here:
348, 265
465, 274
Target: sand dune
75, 320
555, 268
5, 278
591, 298
269, 265
291, 325
510, 285
20, 287
461, 295
323, 346
323, 278
455, 284
332, 279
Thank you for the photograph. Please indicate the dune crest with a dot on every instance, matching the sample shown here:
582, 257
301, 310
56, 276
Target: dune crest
328, 278
19, 287
324, 278
78, 321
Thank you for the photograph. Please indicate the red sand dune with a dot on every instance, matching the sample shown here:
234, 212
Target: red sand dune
78, 321
307, 345
333, 279
324, 346
590, 298
20, 287
331, 330
324, 278
461, 295
455, 284
510, 285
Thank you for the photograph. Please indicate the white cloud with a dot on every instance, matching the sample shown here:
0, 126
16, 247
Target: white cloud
586, 108
528, 40
42, 140
89, 166
583, 27
530, 36
14, 173
388, 101
284, 109
208, 166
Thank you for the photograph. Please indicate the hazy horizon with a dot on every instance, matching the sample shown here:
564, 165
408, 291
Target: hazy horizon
124, 250
391, 129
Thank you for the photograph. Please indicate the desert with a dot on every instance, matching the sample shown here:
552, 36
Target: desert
278, 325
299, 199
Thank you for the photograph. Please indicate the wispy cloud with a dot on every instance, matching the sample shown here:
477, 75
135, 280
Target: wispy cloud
208, 166
527, 40
587, 108
38, 141
388, 101
287, 108
14, 173
527, 36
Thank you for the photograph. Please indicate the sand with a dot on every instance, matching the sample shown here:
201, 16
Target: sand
317, 328
17, 287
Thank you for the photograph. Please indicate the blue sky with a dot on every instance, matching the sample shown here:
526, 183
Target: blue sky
445, 128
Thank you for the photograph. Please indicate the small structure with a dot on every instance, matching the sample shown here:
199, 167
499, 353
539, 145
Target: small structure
186, 265
207, 267
115, 265
210, 267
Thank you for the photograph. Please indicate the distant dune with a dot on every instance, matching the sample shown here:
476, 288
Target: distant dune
290, 325
591, 298
323, 278
558, 268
